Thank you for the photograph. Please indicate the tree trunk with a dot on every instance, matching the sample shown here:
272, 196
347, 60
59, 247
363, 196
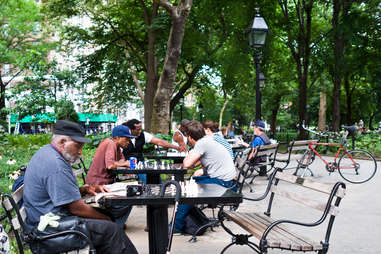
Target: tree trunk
348, 99
161, 107
222, 112
301, 51
274, 113
323, 108
3, 114
339, 6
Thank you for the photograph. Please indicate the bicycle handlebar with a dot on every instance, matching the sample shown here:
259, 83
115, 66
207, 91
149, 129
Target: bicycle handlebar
349, 130
324, 134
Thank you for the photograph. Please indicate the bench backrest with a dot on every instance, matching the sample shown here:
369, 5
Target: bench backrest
242, 167
300, 144
15, 214
80, 169
270, 151
332, 191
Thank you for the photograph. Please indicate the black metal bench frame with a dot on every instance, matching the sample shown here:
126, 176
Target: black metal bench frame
335, 193
16, 217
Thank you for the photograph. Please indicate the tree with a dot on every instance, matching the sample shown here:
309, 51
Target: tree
65, 111
137, 31
22, 35
298, 24
38, 91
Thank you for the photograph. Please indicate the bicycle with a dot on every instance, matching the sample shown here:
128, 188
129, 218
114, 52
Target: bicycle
355, 166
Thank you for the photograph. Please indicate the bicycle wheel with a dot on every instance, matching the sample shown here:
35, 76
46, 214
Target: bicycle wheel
307, 158
357, 166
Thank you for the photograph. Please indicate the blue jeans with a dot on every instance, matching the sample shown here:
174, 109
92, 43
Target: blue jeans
183, 210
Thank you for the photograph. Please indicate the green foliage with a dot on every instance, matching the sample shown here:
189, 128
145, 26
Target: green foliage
65, 111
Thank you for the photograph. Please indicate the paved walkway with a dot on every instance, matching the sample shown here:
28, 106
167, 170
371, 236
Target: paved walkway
357, 228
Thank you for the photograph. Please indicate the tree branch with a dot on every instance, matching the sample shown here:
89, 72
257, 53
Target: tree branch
166, 5
13, 77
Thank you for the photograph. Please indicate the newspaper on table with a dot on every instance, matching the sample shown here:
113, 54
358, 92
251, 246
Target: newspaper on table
117, 189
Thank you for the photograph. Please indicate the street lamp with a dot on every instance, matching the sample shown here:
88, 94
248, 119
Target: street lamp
262, 80
257, 38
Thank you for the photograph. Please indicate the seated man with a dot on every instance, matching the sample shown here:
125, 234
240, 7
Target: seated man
109, 156
50, 186
218, 165
135, 147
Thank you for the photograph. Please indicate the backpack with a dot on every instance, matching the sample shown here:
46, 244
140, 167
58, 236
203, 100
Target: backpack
195, 220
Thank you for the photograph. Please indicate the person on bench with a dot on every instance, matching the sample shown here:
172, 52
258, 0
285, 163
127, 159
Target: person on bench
50, 186
260, 139
218, 165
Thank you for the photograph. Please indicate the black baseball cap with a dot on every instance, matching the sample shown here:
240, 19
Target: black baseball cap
71, 129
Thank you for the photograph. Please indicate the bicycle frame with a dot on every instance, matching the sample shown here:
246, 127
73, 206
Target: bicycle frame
340, 147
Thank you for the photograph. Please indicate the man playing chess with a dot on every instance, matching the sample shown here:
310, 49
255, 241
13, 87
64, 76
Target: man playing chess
217, 165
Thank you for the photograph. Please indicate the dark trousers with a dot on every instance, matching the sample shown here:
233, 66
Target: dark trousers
108, 237
183, 210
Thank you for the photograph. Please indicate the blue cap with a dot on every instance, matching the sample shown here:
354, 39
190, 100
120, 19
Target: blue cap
259, 124
122, 131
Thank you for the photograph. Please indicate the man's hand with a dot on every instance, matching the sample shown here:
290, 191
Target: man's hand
93, 189
182, 148
198, 172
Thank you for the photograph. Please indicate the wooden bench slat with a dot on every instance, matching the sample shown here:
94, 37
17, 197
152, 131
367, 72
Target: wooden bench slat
17, 196
15, 222
255, 229
296, 242
78, 172
279, 236
304, 200
311, 184
302, 144
308, 243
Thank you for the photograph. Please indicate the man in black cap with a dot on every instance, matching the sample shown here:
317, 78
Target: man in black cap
50, 186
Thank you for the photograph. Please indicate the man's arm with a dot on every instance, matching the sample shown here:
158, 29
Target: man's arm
180, 140
252, 153
163, 143
120, 163
192, 160
81, 209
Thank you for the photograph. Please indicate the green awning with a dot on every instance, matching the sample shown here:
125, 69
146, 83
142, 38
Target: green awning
100, 118
39, 118
50, 118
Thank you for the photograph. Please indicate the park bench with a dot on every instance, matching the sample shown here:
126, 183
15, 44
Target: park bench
257, 162
272, 233
80, 169
295, 147
17, 216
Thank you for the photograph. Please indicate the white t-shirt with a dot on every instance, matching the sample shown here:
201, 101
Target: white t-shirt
184, 138
147, 138
215, 158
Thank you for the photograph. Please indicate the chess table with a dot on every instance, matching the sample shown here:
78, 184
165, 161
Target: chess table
153, 174
157, 207
159, 157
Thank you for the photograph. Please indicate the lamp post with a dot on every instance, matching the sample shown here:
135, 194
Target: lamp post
257, 38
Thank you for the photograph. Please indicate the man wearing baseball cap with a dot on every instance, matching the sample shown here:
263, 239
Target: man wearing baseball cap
109, 156
50, 186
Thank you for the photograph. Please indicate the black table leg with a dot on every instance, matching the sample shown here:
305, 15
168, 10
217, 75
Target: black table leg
153, 178
157, 221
